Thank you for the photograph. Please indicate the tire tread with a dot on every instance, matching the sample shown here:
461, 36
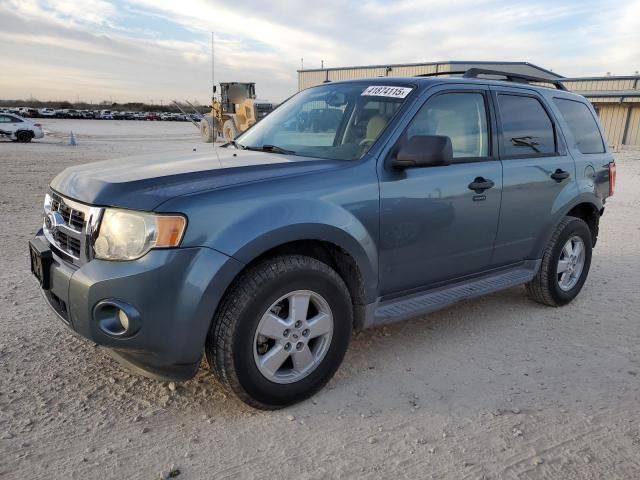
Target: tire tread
219, 345
539, 289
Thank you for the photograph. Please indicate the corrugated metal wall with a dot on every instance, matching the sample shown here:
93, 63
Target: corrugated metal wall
590, 85
613, 118
633, 132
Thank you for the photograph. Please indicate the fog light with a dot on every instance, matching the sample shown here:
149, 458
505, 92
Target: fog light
124, 320
116, 318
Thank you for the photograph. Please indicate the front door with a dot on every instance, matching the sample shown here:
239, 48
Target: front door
434, 226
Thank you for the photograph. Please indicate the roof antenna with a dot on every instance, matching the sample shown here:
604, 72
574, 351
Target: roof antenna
213, 98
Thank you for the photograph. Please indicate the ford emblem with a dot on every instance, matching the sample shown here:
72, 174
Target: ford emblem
53, 220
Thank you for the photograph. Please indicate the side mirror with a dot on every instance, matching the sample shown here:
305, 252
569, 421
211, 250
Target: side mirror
424, 151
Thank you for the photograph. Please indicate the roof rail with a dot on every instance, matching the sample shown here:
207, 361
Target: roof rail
437, 74
509, 76
513, 77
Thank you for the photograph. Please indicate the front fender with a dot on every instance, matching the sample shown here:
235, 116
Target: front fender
275, 224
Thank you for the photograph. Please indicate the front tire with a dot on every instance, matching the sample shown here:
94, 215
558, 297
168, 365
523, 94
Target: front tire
565, 264
281, 331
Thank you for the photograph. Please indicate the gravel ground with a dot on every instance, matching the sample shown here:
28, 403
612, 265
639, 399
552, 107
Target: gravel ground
498, 387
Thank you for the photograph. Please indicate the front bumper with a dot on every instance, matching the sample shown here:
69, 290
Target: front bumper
175, 292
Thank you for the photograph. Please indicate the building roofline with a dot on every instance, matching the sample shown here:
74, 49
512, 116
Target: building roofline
421, 64
608, 93
606, 77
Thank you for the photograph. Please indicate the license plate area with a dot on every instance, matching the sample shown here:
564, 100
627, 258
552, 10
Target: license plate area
41, 259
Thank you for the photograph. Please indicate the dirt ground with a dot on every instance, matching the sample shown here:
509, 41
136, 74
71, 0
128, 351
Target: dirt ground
498, 387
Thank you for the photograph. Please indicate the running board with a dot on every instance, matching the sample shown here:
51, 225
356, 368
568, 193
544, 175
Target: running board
417, 304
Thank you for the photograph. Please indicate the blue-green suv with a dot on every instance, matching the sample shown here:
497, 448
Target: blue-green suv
352, 205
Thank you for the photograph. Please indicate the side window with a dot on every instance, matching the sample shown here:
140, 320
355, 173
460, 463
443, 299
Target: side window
5, 119
526, 127
15, 120
582, 125
460, 116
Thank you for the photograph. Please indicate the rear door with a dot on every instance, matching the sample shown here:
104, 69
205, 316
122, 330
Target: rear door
538, 173
433, 227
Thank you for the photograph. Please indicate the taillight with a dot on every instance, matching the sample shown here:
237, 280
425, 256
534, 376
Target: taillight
612, 177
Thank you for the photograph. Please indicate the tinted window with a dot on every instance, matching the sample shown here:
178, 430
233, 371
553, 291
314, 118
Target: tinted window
582, 125
526, 127
459, 116
5, 119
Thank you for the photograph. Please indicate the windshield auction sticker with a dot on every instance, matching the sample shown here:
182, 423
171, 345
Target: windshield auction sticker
381, 91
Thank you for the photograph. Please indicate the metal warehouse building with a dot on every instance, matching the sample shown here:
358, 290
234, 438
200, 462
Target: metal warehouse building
616, 99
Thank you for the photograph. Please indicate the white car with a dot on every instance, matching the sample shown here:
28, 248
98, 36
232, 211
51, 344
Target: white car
47, 112
19, 129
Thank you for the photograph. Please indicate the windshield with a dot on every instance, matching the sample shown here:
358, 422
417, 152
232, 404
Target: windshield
339, 121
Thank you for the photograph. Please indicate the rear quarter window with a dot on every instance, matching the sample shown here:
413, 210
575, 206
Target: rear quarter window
582, 125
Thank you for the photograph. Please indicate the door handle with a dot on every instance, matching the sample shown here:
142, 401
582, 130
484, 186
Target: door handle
560, 175
480, 184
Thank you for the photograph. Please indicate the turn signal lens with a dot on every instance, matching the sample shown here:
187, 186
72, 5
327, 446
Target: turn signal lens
170, 230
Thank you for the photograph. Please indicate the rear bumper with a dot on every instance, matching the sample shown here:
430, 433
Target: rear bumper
173, 292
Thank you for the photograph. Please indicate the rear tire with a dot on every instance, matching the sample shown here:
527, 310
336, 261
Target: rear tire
238, 343
24, 137
562, 275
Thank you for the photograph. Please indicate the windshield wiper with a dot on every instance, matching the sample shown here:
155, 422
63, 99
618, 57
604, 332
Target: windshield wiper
272, 149
237, 145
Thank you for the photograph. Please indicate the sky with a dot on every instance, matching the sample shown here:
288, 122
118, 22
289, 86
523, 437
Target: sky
160, 50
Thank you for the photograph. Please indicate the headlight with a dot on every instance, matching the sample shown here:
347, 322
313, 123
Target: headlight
127, 234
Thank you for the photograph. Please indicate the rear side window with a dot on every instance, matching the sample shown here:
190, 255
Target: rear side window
582, 125
526, 127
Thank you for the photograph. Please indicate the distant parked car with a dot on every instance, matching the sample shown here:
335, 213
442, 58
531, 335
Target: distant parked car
105, 115
153, 116
19, 129
70, 113
87, 114
47, 112
28, 112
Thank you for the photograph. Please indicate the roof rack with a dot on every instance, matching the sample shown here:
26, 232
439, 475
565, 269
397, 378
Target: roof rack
513, 77
508, 76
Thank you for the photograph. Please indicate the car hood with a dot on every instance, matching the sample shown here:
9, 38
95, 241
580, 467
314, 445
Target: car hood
144, 182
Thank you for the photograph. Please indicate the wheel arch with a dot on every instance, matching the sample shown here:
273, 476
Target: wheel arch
332, 253
590, 213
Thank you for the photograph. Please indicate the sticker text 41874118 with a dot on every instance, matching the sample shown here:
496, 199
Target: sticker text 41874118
383, 91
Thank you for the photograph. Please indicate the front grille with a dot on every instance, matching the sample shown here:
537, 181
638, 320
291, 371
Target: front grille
75, 226
72, 218
67, 243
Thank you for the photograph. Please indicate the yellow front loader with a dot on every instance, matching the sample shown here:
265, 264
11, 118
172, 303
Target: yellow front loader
235, 112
